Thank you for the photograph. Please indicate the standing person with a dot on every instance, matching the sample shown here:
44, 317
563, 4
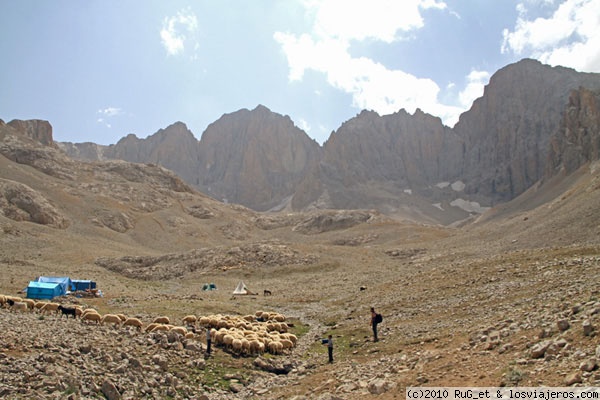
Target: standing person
208, 341
329, 344
375, 319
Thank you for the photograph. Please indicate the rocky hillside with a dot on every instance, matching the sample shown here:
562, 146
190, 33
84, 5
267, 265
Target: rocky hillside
409, 166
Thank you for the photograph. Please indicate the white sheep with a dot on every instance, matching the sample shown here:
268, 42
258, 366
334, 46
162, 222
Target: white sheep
20, 306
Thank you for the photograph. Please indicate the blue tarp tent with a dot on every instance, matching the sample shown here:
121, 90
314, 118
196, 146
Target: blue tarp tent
63, 281
83, 284
43, 290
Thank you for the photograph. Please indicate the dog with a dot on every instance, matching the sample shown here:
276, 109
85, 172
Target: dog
267, 292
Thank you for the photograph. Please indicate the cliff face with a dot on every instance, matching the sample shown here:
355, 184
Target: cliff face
577, 141
255, 158
405, 153
507, 131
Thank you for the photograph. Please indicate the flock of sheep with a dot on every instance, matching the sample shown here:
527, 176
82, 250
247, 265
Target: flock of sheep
243, 335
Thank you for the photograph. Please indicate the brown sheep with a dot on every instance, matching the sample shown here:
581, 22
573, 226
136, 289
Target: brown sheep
91, 316
179, 329
190, 320
161, 328
151, 326
111, 318
133, 322
50, 307
30, 303
162, 320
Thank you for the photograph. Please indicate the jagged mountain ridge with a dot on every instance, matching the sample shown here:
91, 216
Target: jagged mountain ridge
411, 166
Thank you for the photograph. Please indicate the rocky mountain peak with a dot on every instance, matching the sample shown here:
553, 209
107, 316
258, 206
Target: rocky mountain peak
255, 158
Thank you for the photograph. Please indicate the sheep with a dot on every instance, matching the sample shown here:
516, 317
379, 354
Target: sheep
50, 307
123, 317
255, 347
151, 326
179, 329
287, 344
291, 337
111, 318
30, 303
40, 304
14, 299
236, 345
161, 328
190, 320
190, 335
67, 311
275, 347
162, 320
87, 311
134, 322
245, 346
226, 339
91, 316
19, 306
278, 317
2, 300
203, 321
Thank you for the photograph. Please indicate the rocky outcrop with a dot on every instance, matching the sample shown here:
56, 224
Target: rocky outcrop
578, 139
38, 130
21, 203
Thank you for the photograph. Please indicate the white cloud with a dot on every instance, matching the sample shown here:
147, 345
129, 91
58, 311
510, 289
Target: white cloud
108, 112
373, 86
569, 37
474, 89
304, 125
178, 31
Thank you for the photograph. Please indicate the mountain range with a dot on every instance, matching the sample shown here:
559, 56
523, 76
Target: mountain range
525, 128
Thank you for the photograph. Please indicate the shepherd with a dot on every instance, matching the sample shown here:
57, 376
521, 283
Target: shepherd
375, 319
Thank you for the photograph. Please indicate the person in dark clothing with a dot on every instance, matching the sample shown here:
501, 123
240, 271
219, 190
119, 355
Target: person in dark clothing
208, 341
329, 344
374, 322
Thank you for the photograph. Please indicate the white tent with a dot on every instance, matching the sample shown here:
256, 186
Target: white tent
242, 289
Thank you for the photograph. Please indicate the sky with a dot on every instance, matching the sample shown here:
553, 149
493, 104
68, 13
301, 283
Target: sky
99, 70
